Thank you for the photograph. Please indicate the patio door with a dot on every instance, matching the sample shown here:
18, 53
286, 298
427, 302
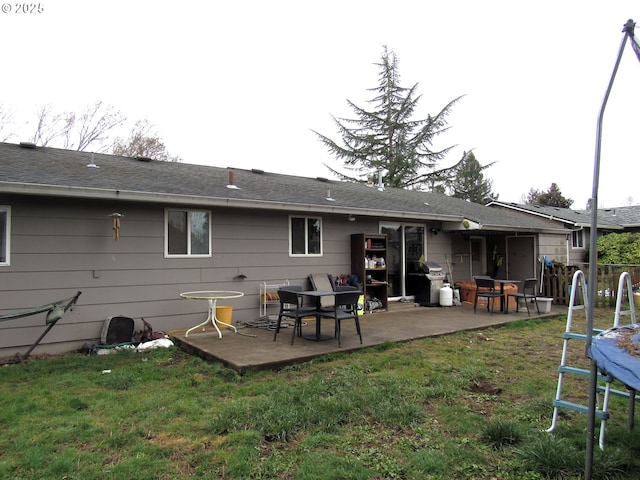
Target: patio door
521, 258
478, 256
405, 249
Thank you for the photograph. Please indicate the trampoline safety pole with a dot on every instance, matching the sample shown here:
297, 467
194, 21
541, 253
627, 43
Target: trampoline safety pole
593, 262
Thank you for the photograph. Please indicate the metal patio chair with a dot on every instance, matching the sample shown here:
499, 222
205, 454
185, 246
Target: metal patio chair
345, 308
528, 293
486, 288
291, 307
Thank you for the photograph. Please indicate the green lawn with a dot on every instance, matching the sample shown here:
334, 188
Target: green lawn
472, 405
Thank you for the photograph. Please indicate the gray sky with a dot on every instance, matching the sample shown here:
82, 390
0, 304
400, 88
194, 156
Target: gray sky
242, 84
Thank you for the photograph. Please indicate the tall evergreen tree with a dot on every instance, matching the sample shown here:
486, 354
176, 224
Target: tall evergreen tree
386, 139
551, 198
469, 182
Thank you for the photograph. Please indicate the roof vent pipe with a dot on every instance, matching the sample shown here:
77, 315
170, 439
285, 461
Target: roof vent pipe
232, 183
92, 163
380, 184
329, 197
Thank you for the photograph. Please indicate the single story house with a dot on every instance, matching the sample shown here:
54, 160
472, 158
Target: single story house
133, 233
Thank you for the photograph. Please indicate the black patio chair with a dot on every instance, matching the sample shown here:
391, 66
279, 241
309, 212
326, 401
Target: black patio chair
322, 282
344, 308
486, 288
528, 293
291, 307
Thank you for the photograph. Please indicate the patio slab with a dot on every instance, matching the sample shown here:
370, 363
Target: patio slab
254, 348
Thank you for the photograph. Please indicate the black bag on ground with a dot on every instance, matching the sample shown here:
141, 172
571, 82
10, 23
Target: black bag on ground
117, 329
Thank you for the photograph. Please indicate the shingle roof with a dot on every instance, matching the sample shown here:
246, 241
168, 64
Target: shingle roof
51, 171
627, 217
572, 218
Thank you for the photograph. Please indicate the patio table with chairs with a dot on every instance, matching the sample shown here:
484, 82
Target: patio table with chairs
489, 290
343, 307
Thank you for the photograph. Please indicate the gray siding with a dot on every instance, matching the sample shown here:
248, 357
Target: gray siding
554, 247
60, 247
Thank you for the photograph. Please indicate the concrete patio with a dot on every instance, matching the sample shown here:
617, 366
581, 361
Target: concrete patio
254, 348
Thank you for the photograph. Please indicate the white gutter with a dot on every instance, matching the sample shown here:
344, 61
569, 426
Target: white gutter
554, 218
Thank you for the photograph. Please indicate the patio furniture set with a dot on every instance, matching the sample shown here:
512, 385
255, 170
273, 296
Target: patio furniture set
341, 303
493, 291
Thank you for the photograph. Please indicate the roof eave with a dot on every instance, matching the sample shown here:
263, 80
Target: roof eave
196, 200
510, 228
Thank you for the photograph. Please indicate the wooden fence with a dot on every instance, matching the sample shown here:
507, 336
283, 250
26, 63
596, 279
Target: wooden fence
557, 279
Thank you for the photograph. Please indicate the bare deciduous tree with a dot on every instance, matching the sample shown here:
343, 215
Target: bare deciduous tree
6, 120
143, 142
50, 126
76, 132
94, 128
94, 124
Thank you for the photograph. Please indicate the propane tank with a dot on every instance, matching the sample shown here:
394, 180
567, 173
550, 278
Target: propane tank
446, 295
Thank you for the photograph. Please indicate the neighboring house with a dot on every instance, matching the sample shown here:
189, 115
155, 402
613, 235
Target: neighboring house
577, 224
186, 227
627, 217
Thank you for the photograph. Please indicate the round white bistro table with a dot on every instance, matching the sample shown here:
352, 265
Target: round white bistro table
212, 297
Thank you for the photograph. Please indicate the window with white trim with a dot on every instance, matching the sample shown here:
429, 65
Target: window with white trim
5, 234
577, 239
305, 236
187, 233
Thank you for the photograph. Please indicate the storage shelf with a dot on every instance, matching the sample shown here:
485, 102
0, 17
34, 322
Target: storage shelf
367, 246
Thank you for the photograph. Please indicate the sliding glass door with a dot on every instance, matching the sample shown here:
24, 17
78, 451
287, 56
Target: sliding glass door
405, 250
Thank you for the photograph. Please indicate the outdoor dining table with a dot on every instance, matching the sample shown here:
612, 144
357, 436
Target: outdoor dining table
317, 294
212, 297
502, 283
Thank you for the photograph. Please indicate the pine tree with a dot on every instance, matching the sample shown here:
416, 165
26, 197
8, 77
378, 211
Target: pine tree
387, 140
551, 198
469, 182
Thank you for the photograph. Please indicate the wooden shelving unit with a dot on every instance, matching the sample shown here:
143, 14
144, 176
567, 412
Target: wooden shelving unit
368, 262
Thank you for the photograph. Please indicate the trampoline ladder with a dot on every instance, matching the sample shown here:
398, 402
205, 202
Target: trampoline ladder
624, 283
604, 386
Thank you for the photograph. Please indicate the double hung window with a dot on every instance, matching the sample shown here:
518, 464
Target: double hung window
188, 233
305, 236
5, 234
577, 239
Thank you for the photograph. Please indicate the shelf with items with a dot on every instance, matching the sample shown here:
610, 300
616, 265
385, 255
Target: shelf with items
368, 253
269, 296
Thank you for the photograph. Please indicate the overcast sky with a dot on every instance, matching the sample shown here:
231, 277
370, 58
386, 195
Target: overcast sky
242, 84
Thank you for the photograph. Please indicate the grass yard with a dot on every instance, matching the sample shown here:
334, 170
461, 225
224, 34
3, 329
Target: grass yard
472, 405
